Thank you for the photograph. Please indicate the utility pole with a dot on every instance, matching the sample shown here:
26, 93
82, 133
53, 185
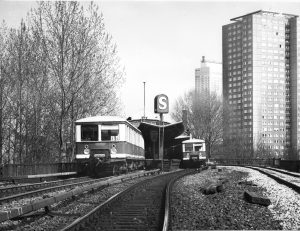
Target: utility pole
161, 106
144, 100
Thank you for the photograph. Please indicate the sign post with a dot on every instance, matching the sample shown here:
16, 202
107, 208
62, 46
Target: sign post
161, 106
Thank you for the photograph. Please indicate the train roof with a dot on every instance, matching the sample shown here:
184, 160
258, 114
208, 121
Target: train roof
193, 141
106, 119
95, 119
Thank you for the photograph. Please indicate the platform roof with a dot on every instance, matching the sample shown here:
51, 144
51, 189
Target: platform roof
170, 131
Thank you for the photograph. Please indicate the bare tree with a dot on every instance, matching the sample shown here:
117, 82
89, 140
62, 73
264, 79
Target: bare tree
3, 81
236, 147
262, 151
80, 55
204, 117
182, 102
59, 66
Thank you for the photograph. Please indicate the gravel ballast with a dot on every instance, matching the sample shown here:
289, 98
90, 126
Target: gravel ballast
191, 209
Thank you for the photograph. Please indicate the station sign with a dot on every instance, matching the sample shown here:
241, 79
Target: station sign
161, 104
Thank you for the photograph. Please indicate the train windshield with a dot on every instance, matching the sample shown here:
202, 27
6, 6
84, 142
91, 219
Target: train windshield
89, 132
188, 147
110, 132
198, 147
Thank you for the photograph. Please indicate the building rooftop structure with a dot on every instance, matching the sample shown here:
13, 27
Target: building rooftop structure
262, 11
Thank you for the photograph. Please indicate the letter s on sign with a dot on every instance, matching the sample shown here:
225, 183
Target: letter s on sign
162, 103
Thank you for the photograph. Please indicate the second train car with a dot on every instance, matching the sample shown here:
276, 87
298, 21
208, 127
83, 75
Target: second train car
194, 154
108, 145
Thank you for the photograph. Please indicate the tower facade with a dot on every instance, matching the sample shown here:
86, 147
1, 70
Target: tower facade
261, 81
208, 78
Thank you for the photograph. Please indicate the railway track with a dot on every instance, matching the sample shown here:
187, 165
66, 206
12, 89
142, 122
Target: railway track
11, 190
20, 207
139, 207
33, 193
285, 172
289, 179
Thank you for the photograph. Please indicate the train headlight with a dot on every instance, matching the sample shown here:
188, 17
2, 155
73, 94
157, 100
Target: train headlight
86, 150
113, 150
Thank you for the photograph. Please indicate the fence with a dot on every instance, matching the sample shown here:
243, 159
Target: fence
290, 165
252, 162
15, 170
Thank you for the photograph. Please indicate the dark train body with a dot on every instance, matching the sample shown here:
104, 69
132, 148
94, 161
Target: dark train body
193, 153
107, 145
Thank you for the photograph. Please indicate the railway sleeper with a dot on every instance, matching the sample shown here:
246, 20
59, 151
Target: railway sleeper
129, 219
128, 224
121, 228
131, 213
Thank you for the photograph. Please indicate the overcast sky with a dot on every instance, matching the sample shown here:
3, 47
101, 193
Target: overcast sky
162, 42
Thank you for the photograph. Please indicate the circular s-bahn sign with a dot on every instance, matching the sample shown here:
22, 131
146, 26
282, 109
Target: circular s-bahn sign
161, 104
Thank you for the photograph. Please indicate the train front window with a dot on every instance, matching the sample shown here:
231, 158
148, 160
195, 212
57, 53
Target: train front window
188, 147
197, 148
110, 132
89, 132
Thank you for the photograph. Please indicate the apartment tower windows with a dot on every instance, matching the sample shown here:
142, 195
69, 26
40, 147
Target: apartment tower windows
261, 80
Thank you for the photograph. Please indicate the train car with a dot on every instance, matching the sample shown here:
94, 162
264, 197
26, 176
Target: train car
194, 154
108, 145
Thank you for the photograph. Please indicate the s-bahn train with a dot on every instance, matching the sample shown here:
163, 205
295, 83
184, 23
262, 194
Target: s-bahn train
194, 154
107, 145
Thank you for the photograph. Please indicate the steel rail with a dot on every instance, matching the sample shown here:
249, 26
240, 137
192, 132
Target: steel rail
44, 203
294, 174
168, 199
60, 187
82, 222
45, 190
278, 179
33, 186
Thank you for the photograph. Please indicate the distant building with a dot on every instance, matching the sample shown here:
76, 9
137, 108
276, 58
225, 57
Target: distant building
208, 78
261, 81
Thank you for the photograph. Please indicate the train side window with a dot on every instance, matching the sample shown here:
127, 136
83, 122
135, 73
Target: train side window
109, 133
197, 148
89, 132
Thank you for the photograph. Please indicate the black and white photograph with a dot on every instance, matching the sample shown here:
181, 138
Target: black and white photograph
149, 115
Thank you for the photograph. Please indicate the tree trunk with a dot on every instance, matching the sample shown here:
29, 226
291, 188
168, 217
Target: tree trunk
61, 136
20, 94
1, 112
72, 134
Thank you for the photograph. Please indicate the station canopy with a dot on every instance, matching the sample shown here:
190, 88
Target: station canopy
171, 131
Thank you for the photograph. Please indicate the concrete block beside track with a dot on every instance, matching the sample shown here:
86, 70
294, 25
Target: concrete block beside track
43, 203
256, 199
15, 212
4, 216
63, 196
26, 209
214, 188
77, 191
